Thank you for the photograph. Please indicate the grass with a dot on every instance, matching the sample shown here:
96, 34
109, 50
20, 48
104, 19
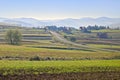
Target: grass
38, 67
107, 30
79, 60
36, 35
23, 51
104, 46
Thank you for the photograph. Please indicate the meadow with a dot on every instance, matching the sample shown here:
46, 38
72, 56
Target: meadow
41, 57
24, 52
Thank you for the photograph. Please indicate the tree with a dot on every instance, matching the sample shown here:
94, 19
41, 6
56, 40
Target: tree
65, 36
13, 37
73, 39
84, 30
102, 35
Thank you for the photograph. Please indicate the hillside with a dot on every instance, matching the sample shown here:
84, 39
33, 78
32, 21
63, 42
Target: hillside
31, 22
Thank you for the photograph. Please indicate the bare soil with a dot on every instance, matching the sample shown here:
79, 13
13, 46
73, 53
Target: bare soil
66, 76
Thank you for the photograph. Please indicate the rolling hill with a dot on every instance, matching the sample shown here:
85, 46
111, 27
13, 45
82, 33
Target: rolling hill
31, 22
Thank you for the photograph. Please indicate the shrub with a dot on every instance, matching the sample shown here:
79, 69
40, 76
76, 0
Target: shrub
73, 39
116, 57
35, 58
65, 36
102, 35
47, 58
0, 58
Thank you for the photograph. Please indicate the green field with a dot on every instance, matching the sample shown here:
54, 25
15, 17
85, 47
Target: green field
107, 30
42, 54
25, 53
36, 43
39, 67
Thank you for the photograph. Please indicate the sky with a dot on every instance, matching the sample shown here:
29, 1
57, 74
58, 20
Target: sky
59, 9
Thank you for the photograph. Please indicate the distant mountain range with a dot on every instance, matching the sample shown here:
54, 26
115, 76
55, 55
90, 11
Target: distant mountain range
69, 22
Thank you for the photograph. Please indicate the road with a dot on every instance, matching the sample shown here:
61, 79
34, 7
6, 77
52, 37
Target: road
60, 38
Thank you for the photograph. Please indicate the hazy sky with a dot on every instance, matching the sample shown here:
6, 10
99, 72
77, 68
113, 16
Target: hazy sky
59, 9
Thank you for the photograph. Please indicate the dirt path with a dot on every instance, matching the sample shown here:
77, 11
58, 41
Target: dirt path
80, 46
62, 39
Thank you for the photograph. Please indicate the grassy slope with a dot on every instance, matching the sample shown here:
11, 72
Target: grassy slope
37, 67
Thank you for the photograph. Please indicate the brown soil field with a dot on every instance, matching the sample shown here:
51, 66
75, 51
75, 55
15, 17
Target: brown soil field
66, 76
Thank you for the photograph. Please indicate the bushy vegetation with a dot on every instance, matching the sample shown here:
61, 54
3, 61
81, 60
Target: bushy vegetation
35, 58
73, 39
102, 35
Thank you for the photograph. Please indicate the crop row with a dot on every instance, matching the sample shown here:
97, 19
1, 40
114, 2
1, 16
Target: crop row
39, 67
